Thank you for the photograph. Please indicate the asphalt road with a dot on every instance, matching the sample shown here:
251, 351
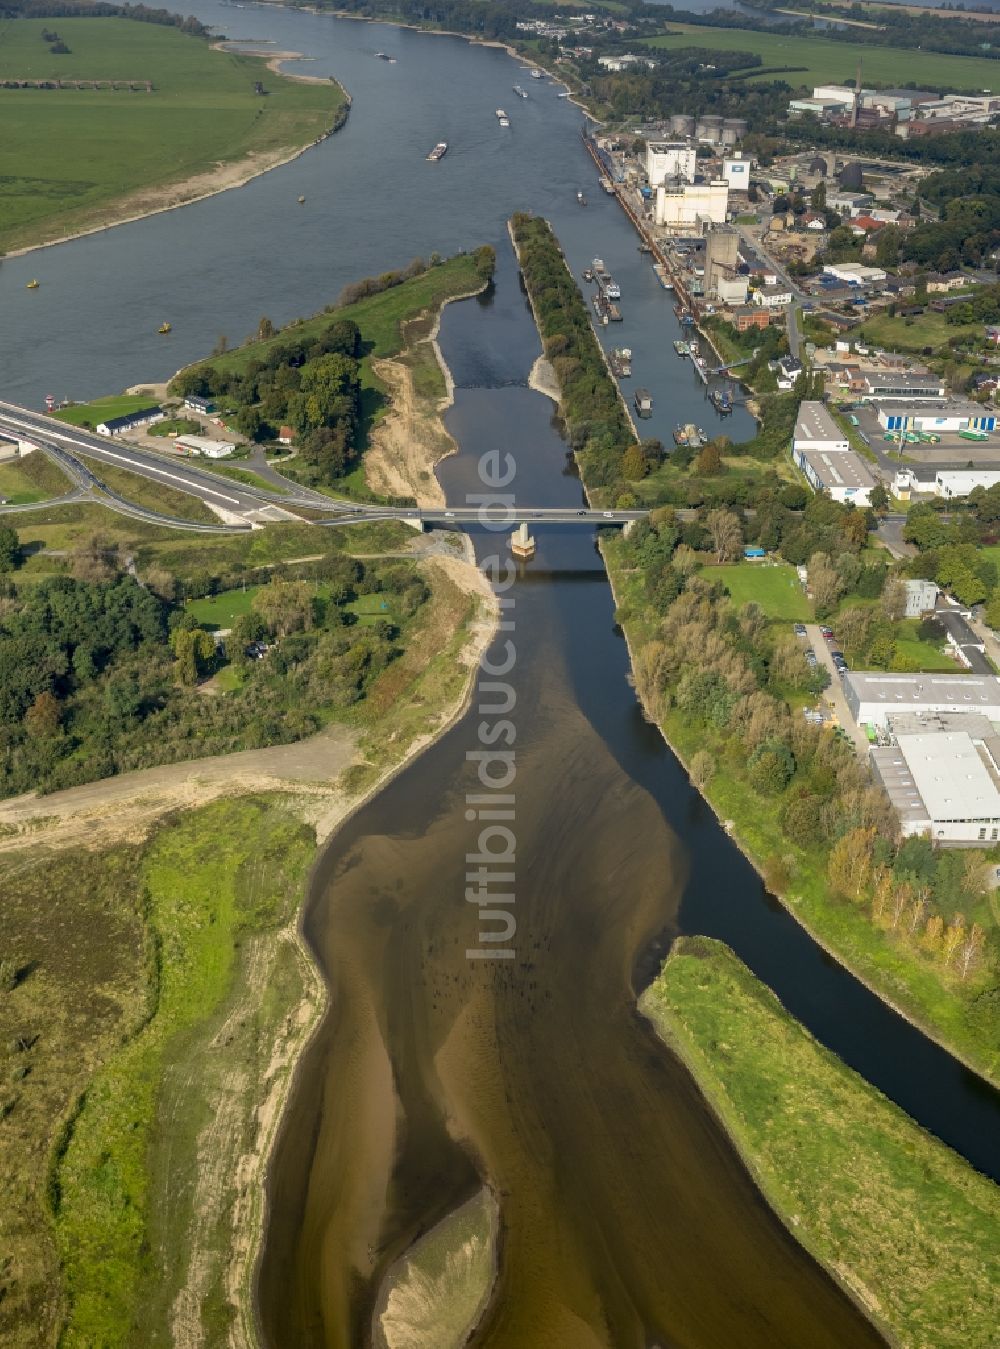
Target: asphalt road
242, 505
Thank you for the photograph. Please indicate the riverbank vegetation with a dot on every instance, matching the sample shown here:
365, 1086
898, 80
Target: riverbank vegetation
133, 116
102, 672
153, 1004
907, 1226
316, 376
727, 681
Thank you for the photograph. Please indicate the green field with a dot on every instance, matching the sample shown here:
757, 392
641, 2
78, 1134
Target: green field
378, 316
72, 159
89, 415
913, 334
909, 1226
32, 478
817, 60
914, 654
774, 586
221, 611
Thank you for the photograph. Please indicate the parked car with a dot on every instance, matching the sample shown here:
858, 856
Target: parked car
800, 629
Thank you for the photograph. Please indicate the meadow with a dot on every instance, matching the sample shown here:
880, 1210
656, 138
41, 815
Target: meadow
907, 1225
73, 159
774, 587
817, 60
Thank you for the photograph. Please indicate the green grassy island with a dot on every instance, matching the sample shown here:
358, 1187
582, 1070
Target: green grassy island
909, 1228
171, 119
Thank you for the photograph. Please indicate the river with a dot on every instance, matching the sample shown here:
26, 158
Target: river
627, 1219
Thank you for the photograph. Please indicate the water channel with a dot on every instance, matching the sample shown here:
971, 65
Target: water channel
627, 1219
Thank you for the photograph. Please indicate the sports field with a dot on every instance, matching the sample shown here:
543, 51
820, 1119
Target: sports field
817, 60
774, 586
75, 158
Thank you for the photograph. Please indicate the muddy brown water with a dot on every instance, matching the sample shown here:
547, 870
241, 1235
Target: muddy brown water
626, 1217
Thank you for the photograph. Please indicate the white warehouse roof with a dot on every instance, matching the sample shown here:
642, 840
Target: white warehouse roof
951, 778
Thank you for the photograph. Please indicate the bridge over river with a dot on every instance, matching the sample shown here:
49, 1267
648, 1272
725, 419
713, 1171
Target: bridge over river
241, 506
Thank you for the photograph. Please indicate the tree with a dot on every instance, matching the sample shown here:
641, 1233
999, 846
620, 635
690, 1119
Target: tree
10, 549
893, 599
880, 499
194, 649
849, 869
265, 329
285, 606
634, 464
954, 935
727, 534
934, 933
702, 768
43, 716
971, 949
770, 768
825, 583
709, 461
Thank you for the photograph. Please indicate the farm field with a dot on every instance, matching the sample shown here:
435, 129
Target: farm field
816, 60
775, 587
73, 159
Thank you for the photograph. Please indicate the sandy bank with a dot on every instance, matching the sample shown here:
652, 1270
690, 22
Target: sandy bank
411, 440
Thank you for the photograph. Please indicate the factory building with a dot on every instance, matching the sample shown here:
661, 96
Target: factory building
687, 206
736, 171
944, 783
886, 386
952, 415
874, 697
668, 160
815, 429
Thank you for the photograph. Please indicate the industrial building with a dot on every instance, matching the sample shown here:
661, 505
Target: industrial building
772, 297
944, 783
667, 160
736, 171
887, 386
211, 449
722, 256
954, 414
686, 206
960, 482
854, 273
815, 429
843, 477
874, 697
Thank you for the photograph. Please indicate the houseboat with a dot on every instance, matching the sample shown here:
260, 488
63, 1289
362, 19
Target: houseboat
620, 360
643, 400
682, 348
680, 435
722, 400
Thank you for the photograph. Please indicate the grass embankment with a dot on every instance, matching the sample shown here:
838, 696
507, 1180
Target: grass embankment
30, 478
914, 334
153, 496
815, 60
75, 159
905, 1224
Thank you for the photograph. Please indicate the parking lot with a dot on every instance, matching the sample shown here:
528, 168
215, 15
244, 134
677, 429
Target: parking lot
951, 451
833, 696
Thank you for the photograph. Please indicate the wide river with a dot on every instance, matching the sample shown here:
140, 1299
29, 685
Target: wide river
627, 1220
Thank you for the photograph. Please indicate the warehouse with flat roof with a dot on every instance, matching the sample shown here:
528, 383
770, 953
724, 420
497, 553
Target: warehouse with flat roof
942, 784
815, 429
872, 697
842, 475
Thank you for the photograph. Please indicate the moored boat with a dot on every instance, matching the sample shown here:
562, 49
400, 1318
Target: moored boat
694, 436
581, 199
620, 360
536, 74
643, 400
722, 401
587, 274
521, 93
682, 348
680, 435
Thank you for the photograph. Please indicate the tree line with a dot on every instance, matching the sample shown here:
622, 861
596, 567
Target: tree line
99, 670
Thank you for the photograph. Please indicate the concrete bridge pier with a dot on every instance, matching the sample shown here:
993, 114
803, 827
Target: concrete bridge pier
414, 523
628, 527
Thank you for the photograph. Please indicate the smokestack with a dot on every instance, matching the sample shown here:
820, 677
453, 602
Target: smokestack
856, 103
